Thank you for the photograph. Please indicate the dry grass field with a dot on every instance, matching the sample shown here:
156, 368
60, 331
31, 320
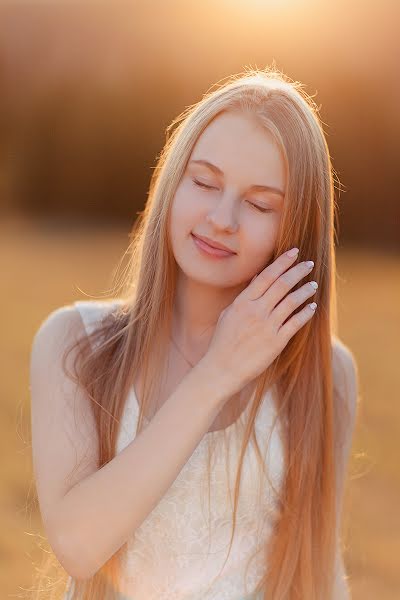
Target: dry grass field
44, 268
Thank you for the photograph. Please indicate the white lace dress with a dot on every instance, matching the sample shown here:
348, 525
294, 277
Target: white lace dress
181, 546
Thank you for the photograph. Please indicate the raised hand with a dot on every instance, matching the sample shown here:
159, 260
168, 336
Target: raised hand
252, 331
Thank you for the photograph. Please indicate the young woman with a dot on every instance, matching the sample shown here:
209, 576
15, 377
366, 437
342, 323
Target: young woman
212, 365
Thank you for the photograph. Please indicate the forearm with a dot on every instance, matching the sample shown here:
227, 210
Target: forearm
99, 513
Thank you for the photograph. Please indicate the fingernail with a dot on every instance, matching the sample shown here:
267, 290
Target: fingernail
292, 252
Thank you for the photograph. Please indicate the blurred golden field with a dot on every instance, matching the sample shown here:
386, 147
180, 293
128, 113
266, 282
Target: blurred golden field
48, 266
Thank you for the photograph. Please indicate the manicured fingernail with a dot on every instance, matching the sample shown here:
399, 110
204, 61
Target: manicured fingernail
292, 252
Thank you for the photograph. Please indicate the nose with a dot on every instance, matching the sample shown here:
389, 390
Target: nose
223, 217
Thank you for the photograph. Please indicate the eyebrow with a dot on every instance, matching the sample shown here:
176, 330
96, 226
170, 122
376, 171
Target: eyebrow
256, 187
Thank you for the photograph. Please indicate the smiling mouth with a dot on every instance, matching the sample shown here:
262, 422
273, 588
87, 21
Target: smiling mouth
210, 250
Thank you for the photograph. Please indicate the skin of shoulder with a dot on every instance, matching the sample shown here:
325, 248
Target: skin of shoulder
346, 377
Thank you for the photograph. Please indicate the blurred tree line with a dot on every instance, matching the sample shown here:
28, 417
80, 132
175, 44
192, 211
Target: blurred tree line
88, 92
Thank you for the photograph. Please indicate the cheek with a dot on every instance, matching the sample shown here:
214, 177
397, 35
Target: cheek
181, 219
257, 246
184, 211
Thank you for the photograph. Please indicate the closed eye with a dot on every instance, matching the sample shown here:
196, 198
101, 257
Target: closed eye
264, 210
203, 184
209, 187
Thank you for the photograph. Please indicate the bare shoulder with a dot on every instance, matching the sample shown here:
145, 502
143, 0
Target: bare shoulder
60, 325
345, 374
346, 383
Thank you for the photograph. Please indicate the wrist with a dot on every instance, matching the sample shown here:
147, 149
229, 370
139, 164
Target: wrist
219, 384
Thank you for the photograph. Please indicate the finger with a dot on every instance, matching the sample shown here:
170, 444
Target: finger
261, 282
292, 301
292, 326
284, 284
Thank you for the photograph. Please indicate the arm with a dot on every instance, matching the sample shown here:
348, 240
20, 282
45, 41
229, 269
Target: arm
346, 376
87, 522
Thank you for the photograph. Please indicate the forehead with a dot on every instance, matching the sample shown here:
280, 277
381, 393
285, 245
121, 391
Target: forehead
242, 150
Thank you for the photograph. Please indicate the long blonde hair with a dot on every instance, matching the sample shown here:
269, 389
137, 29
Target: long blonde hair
300, 557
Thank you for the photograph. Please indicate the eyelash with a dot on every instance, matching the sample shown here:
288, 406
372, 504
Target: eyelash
209, 187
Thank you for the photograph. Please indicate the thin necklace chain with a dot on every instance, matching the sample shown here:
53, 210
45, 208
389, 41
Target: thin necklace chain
188, 361
180, 351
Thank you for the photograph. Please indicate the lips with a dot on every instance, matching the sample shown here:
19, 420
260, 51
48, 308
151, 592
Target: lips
210, 251
213, 244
